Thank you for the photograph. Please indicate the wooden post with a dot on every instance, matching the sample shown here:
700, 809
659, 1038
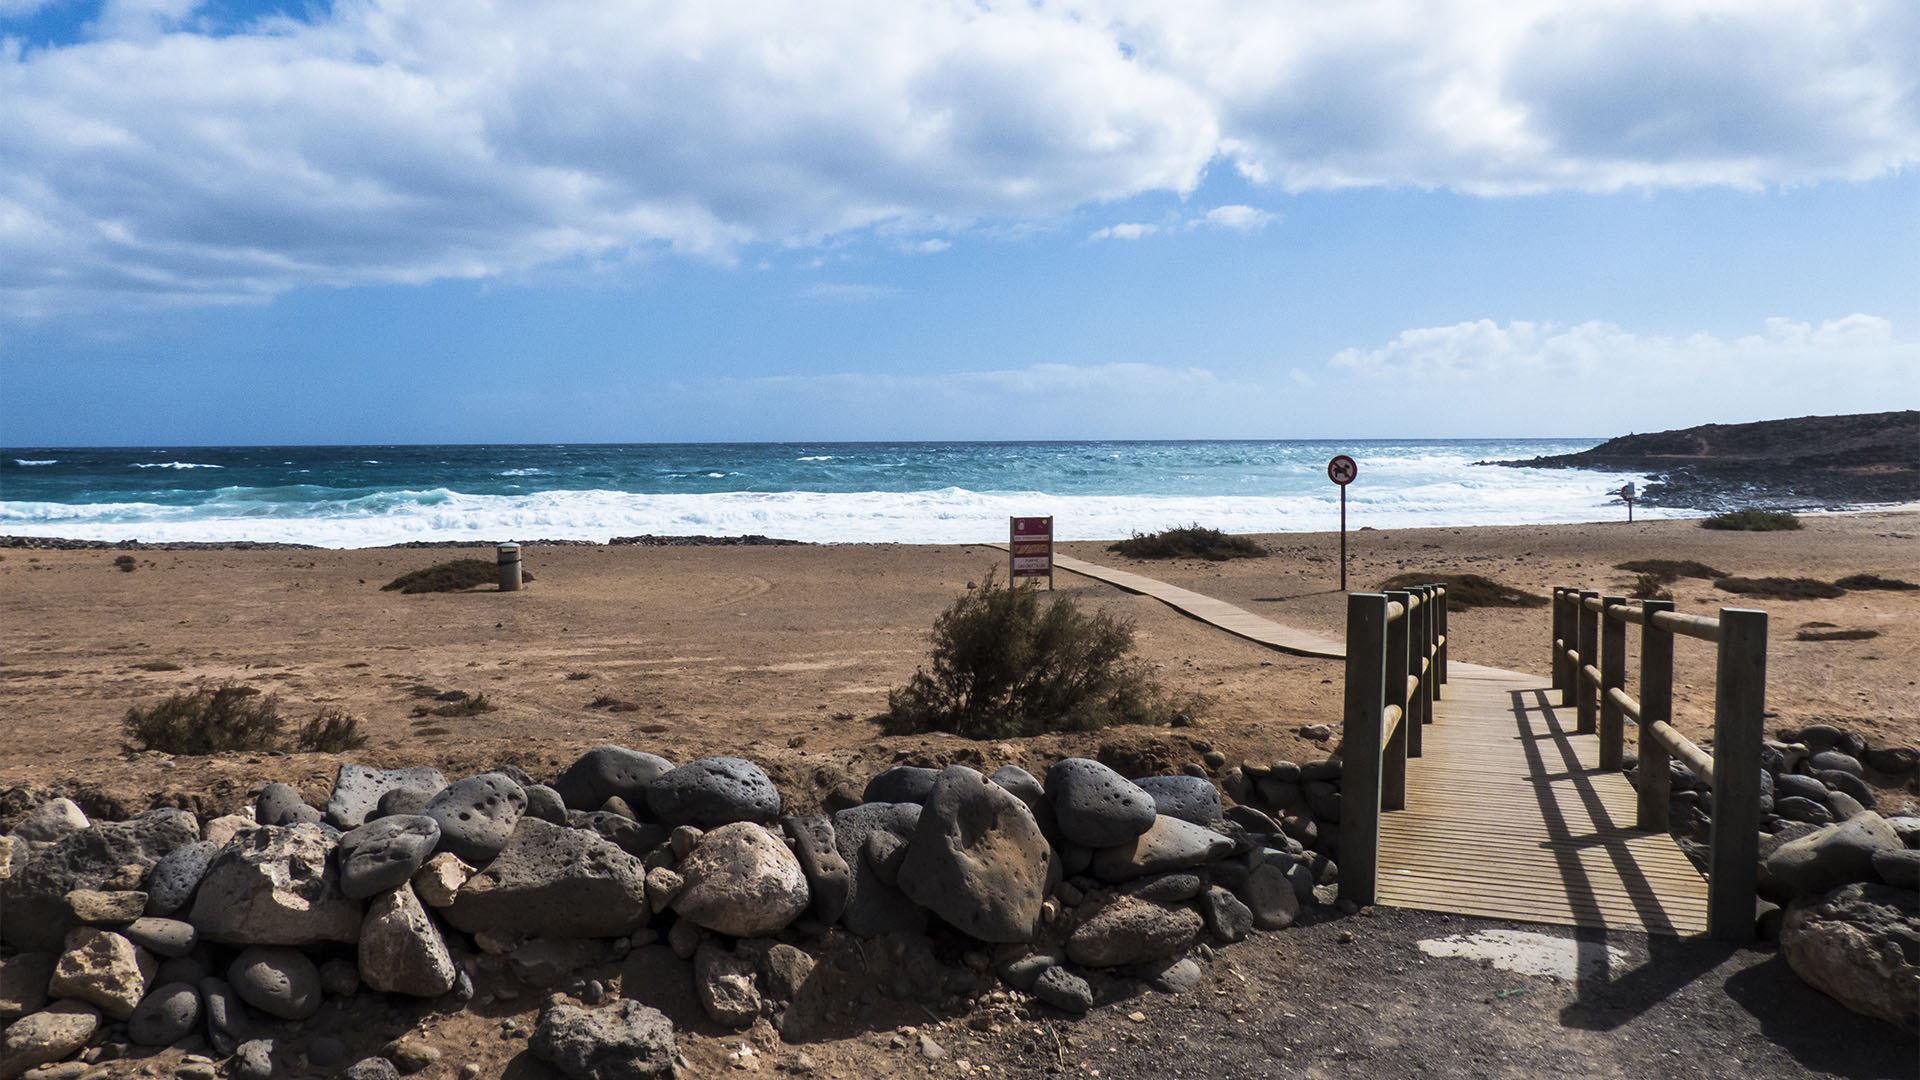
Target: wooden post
1361, 777
508, 557
1428, 660
1656, 706
1398, 656
1739, 718
1563, 633
1441, 613
1613, 673
1589, 622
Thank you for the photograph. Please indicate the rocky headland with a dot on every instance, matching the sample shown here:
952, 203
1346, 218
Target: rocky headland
1807, 462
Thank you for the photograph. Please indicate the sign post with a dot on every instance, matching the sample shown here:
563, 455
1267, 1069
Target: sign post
1341, 470
1030, 549
1627, 496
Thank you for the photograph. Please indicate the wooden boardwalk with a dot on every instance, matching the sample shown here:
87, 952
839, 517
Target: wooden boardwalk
1509, 817
1234, 620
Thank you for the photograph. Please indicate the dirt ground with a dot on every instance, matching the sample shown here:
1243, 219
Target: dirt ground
783, 654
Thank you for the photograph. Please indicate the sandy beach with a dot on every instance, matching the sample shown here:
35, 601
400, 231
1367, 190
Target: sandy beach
784, 654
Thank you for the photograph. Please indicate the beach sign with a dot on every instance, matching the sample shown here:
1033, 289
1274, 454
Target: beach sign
1627, 496
1342, 470
1030, 548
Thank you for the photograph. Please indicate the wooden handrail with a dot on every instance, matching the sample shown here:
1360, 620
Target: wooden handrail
1589, 671
1396, 664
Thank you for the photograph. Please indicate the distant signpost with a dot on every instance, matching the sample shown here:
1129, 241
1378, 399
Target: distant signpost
1627, 496
1030, 548
1341, 470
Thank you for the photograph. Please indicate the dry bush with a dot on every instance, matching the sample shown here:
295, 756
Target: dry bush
1468, 590
1189, 542
1003, 666
225, 718
1752, 521
331, 731
1781, 588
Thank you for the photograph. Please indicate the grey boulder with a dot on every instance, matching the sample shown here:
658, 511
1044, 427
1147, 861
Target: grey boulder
1189, 798
1095, 806
357, 790
829, 878
171, 881
1129, 930
162, 937
875, 907
902, 783
280, 804
1024, 785
383, 854
712, 792
1835, 855
50, 821
545, 803
977, 859
557, 882
34, 895
278, 981
1063, 990
624, 1041
607, 772
477, 815
53, 1034
165, 1016
275, 886
1170, 843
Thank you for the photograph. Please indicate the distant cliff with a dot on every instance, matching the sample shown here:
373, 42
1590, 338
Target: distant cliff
1808, 461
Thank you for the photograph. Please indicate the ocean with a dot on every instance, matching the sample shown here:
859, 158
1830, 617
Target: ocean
919, 493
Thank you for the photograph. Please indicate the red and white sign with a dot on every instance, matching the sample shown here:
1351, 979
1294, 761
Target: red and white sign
1342, 469
1030, 540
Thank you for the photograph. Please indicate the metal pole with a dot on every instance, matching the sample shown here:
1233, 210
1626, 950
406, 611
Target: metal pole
1343, 538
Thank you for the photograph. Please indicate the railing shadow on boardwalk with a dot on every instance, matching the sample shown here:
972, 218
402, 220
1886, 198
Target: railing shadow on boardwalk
1607, 999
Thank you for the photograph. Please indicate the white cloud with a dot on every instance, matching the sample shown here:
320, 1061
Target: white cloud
397, 141
1237, 218
1602, 372
1130, 230
847, 292
933, 246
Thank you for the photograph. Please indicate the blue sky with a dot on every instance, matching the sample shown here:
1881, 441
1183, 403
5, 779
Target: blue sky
396, 220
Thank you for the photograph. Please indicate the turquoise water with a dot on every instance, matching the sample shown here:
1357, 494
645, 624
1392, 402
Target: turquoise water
355, 496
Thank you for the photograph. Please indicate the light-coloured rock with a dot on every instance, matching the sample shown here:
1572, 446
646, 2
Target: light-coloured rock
1856, 945
223, 829
977, 858
1129, 930
277, 980
276, 885
725, 985
401, 950
357, 790
439, 881
53, 1034
104, 969
50, 821
663, 885
477, 815
741, 880
8, 859
97, 907
23, 983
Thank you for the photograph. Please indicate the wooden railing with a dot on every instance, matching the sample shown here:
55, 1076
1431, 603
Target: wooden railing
1589, 671
1396, 664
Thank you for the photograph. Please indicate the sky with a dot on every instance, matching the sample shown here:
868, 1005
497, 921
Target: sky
372, 221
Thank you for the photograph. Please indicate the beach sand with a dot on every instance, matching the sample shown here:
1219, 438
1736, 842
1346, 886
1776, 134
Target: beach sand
783, 654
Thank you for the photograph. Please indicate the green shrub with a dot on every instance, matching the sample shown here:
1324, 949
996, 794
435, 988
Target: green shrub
332, 731
1670, 570
1781, 588
1752, 521
206, 721
1004, 666
1865, 582
455, 576
1468, 590
125, 564
1191, 542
